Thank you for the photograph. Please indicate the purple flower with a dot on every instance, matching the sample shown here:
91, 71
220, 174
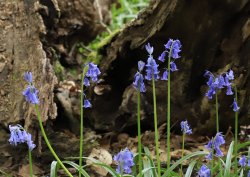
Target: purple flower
93, 72
211, 91
28, 77
185, 128
162, 56
242, 161
165, 76
152, 69
19, 135
229, 90
30, 94
214, 145
204, 171
141, 65
149, 49
230, 75
87, 104
221, 82
138, 83
235, 106
86, 82
173, 67
174, 48
124, 159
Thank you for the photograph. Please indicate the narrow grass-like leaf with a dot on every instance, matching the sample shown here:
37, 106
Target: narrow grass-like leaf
190, 169
199, 153
241, 173
229, 159
146, 167
76, 166
53, 169
243, 145
148, 155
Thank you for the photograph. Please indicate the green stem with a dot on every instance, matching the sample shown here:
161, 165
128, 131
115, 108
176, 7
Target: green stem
139, 131
236, 134
48, 143
212, 160
217, 112
81, 121
156, 130
168, 113
182, 150
30, 163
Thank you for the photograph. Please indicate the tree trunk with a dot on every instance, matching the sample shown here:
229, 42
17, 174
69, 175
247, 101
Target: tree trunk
215, 37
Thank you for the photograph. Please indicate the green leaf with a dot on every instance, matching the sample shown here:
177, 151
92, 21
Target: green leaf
228, 160
243, 145
148, 155
53, 169
198, 153
76, 166
190, 169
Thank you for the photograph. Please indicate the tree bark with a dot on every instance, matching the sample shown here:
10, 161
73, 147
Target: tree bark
215, 37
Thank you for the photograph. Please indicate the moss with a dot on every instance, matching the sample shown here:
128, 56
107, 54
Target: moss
97, 45
59, 70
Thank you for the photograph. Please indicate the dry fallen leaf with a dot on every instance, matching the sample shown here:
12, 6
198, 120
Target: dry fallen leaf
101, 155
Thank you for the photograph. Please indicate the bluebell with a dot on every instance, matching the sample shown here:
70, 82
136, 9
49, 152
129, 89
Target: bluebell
173, 47
87, 104
165, 75
235, 106
185, 128
204, 171
93, 72
125, 161
30, 94
152, 69
28, 77
138, 82
149, 49
214, 145
242, 161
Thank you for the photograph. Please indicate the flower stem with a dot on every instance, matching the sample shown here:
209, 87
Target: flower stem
81, 121
182, 150
156, 130
30, 163
168, 113
236, 134
217, 112
48, 143
139, 131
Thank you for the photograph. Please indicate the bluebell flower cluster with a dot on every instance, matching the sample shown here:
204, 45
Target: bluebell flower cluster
125, 161
30, 93
173, 48
152, 69
185, 128
18, 135
138, 82
204, 171
91, 76
214, 145
216, 83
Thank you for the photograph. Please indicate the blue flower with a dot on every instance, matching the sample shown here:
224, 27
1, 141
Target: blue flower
152, 69
230, 75
204, 171
214, 145
87, 104
173, 67
141, 65
86, 82
19, 135
229, 90
138, 83
28, 77
174, 48
149, 49
165, 76
162, 56
125, 161
242, 161
221, 82
248, 174
93, 72
185, 128
235, 106
30, 94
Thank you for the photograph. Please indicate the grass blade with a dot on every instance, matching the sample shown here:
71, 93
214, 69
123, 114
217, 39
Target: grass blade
198, 153
53, 169
228, 161
190, 169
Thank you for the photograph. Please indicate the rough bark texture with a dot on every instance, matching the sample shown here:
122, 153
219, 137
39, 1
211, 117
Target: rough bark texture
29, 30
215, 37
